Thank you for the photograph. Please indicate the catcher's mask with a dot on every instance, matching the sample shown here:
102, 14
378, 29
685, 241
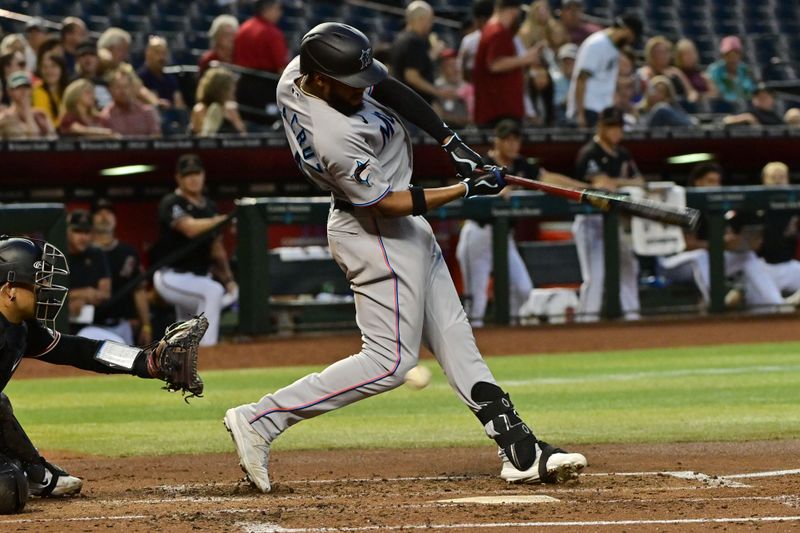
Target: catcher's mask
35, 263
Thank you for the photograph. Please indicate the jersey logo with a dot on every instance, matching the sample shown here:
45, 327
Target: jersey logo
360, 168
366, 58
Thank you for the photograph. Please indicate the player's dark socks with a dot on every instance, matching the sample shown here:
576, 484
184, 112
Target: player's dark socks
503, 424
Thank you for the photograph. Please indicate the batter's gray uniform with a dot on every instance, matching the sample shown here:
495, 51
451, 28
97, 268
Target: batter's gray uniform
404, 295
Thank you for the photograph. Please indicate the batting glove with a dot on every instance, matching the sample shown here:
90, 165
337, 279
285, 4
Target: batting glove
487, 183
464, 158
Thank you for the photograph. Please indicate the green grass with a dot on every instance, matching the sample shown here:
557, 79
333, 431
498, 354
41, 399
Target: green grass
739, 392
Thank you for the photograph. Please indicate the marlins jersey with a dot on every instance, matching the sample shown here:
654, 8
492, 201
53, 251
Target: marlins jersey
358, 158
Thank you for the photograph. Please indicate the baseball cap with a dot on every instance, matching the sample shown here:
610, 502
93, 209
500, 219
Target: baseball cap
761, 86
80, 220
568, 51
611, 116
86, 48
189, 164
507, 127
34, 23
631, 21
730, 43
19, 78
102, 203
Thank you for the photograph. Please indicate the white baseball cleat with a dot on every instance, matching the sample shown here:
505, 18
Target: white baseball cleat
559, 466
56, 483
253, 450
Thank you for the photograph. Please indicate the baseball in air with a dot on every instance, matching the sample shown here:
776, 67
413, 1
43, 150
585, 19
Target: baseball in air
418, 377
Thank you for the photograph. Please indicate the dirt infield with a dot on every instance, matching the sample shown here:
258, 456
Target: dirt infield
667, 487
676, 487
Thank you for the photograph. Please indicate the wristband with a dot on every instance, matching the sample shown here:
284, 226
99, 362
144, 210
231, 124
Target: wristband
419, 205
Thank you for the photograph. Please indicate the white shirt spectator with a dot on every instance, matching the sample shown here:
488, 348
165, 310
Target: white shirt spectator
600, 58
467, 51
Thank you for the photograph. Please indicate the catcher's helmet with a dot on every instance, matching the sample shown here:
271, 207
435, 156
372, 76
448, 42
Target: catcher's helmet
13, 487
30, 262
342, 53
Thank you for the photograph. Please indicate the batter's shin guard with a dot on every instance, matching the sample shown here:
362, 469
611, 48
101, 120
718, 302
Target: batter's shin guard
503, 424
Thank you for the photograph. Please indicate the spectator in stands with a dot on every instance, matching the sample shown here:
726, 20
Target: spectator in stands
661, 108
13, 42
113, 49
561, 74
412, 60
761, 111
456, 111
222, 33
731, 76
89, 278
114, 46
658, 59
49, 91
740, 240
125, 115
781, 231
87, 68
624, 98
35, 34
152, 74
21, 120
571, 18
481, 11
122, 314
216, 110
9, 62
792, 117
540, 25
688, 61
499, 74
79, 115
50, 46
187, 283
260, 45
73, 33
594, 79
474, 250
607, 165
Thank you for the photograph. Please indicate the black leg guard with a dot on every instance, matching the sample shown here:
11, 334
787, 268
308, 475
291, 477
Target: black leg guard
14, 442
13, 486
503, 424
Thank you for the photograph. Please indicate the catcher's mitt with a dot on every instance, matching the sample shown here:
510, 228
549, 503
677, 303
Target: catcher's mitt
174, 358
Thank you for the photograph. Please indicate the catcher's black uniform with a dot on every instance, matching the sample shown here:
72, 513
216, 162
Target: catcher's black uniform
26, 265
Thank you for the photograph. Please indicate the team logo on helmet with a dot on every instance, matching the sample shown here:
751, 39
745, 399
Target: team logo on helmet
366, 58
38, 264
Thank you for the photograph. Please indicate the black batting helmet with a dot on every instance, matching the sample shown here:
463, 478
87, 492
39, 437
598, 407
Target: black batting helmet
341, 52
13, 487
35, 263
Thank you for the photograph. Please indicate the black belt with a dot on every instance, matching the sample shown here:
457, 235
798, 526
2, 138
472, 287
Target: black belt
343, 205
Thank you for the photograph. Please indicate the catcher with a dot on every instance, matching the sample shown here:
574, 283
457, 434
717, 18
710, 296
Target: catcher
29, 304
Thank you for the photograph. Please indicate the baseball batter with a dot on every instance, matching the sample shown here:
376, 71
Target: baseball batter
342, 115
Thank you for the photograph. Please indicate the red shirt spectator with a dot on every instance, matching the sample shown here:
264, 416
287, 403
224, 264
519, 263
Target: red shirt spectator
498, 93
260, 44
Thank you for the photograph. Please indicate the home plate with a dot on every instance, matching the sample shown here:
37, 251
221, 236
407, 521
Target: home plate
508, 498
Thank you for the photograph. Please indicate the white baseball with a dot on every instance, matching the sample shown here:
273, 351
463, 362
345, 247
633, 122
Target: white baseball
417, 378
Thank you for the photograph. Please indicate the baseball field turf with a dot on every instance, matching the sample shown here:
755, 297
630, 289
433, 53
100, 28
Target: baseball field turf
723, 393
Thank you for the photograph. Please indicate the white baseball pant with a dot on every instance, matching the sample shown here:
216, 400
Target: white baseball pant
191, 295
588, 232
476, 259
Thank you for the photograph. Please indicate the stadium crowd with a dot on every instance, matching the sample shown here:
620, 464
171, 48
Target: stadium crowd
514, 61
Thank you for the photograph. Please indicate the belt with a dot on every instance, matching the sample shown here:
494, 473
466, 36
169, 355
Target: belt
343, 205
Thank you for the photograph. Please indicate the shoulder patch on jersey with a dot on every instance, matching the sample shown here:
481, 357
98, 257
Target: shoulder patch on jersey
358, 173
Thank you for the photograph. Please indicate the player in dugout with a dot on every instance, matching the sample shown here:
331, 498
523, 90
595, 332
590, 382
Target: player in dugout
341, 113
30, 300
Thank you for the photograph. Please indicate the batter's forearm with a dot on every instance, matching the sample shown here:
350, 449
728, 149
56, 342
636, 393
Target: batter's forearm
400, 204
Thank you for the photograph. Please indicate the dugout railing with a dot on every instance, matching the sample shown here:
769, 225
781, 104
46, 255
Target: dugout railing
257, 215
